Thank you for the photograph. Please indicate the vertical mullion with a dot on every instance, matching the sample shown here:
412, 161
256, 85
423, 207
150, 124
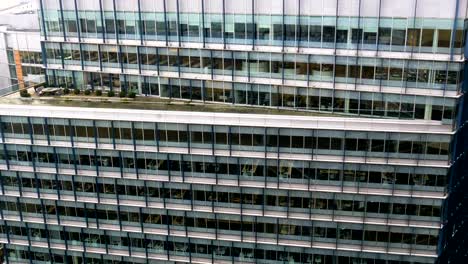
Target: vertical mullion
121, 163
278, 156
113, 134
178, 26
36, 179
138, 57
100, 57
189, 138
334, 57
224, 24
101, 12
97, 176
115, 22
360, 36
117, 196
248, 69
157, 63
178, 62
41, 7
47, 130
230, 140
165, 22
31, 136
74, 159
212, 66
5, 151
135, 154
203, 23
56, 160
254, 27
78, 26
44, 55
62, 20
213, 139
140, 28
203, 90
121, 64
282, 32
168, 160
157, 136
298, 25
2, 186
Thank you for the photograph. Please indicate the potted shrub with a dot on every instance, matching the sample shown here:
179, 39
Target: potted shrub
110, 94
66, 91
76, 91
122, 94
98, 92
131, 94
87, 92
24, 93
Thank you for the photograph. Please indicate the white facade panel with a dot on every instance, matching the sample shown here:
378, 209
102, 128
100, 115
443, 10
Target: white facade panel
354, 8
30, 41
273, 7
152, 6
171, 6
370, 8
87, 5
214, 6
4, 69
50, 4
191, 6
238, 6
107, 5
127, 5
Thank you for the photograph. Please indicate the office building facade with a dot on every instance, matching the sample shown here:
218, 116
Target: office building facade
345, 155
20, 50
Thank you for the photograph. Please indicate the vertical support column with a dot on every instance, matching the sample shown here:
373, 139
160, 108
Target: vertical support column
19, 69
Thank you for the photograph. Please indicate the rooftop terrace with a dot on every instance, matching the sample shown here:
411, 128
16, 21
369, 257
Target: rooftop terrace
147, 103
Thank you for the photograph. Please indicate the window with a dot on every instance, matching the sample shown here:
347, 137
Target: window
444, 38
329, 34
341, 36
216, 30
385, 36
413, 37
427, 37
398, 37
